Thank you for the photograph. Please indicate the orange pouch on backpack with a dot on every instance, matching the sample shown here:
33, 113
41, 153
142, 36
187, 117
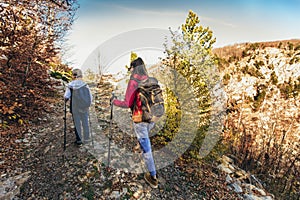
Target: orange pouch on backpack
137, 111
137, 116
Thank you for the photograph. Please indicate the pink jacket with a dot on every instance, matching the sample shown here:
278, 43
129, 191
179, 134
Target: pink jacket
130, 92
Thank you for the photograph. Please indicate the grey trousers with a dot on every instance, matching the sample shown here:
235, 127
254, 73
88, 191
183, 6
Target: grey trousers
81, 121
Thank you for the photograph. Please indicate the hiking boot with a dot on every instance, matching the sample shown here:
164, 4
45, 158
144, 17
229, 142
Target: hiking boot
78, 142
153, 182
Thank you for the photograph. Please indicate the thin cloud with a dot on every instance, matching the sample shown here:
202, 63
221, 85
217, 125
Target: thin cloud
151, 12
218, 21
170, 13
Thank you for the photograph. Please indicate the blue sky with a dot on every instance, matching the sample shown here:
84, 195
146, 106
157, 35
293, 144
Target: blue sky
232, 21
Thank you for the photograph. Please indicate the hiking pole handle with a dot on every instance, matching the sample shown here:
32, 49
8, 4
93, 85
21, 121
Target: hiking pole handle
113, 96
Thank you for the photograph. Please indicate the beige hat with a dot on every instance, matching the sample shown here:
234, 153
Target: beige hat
77, 73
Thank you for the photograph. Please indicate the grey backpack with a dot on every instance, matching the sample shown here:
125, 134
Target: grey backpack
81, 98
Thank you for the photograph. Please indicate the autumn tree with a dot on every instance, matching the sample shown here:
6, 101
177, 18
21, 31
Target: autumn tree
30, 32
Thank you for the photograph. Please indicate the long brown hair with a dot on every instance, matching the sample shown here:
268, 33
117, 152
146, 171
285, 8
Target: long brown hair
138, 67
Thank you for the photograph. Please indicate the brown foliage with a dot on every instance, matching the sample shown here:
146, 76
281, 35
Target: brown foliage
28, 32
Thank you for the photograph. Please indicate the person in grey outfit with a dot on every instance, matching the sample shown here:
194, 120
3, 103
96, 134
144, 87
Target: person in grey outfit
80, 100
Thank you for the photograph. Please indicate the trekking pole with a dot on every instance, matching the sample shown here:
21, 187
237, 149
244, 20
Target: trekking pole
65, 124
110, 131
91, 131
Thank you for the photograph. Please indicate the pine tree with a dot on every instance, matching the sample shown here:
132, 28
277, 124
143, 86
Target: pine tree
189, 53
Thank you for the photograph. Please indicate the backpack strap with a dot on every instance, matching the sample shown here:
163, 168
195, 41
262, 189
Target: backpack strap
138, 80
135, 79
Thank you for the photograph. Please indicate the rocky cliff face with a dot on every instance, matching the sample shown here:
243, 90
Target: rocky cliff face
262, 82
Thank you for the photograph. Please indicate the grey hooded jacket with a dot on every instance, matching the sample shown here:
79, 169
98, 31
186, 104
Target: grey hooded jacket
80, 95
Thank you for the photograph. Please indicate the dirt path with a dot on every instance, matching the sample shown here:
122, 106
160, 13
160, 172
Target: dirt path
77, 174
